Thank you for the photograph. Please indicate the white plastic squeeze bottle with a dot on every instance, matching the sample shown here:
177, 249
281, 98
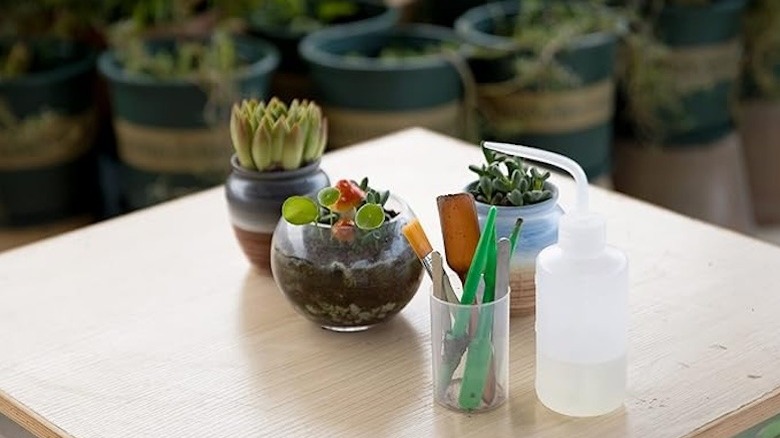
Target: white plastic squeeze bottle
581, 307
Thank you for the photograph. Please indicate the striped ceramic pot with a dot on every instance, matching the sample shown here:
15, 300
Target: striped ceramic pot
540, 230
255, 204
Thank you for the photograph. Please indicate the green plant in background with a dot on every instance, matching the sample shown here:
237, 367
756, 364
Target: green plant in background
762, 44
651, 98
272, 136
302, 15
545, 28
68, 19
506, 181
16, 61
654, 101
398, 52
188, 59
345, 207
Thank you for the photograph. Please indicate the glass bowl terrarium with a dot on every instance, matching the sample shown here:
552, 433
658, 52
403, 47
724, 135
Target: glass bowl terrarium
342, 261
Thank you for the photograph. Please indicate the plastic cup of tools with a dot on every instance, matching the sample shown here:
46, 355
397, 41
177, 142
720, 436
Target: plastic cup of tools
470, 353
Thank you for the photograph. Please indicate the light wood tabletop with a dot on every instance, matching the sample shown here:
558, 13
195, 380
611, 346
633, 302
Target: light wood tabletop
154, 325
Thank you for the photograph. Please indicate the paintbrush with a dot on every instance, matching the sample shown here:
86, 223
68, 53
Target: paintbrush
437, 274
460, 231
419, 242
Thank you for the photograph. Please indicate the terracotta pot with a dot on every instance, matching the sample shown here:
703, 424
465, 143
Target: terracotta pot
255, 204
706, 181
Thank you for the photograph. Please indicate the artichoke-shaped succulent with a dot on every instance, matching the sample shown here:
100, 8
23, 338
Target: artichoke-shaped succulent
272, 136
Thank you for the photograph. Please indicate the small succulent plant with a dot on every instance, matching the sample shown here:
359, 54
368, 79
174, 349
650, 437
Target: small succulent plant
346, 207
506, 181
273, 136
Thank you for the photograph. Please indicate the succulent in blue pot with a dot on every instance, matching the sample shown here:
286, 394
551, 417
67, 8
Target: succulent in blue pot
518, 191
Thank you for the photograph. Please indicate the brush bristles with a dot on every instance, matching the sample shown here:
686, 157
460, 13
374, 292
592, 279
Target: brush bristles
417, 239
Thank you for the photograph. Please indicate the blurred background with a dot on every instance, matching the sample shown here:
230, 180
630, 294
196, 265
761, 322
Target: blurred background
111, 106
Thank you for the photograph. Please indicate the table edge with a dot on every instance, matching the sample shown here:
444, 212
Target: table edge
28, 419
743, 418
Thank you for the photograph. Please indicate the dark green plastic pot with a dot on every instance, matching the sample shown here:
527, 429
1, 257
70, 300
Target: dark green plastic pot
591, 58
348, 76
61, 83
757, 14
174, 106
708, 113
370, 15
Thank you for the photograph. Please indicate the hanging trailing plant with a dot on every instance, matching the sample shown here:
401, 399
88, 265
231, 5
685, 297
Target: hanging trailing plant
762, 45
657, 77
542, 29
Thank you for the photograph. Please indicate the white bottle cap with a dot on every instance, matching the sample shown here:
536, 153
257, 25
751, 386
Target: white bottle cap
580, 233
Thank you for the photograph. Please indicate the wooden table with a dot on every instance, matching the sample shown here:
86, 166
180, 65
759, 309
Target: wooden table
154, 325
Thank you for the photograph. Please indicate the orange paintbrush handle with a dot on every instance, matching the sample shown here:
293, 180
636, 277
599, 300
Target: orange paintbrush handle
459, 229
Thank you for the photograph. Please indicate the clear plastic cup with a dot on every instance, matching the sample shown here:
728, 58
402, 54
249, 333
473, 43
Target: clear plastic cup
470, 348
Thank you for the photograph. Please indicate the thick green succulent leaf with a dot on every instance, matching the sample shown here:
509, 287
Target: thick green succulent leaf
278, 132
501, 185
328, 196
517, 178
370, 216
486, 186
515, 197
261, 148
241, 136
292, 148
300, 210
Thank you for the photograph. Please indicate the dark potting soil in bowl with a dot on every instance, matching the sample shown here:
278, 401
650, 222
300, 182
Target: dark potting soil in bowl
345, 284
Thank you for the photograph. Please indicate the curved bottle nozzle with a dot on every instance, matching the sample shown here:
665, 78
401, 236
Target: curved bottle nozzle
548, 157
580, 233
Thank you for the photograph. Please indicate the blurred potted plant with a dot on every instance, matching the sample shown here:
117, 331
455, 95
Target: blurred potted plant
286, 22
373, 82
678, 85
277, 155
342, 261
47, 117
171, 100
545, 75
759, 119
522, 192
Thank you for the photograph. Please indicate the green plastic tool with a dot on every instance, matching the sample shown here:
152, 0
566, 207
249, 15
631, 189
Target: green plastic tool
480, 348
456, 340
478, 264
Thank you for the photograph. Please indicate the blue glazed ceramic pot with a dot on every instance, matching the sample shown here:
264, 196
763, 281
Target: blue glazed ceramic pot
540, 229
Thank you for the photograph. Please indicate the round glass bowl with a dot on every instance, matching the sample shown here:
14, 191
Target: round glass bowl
347, 283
